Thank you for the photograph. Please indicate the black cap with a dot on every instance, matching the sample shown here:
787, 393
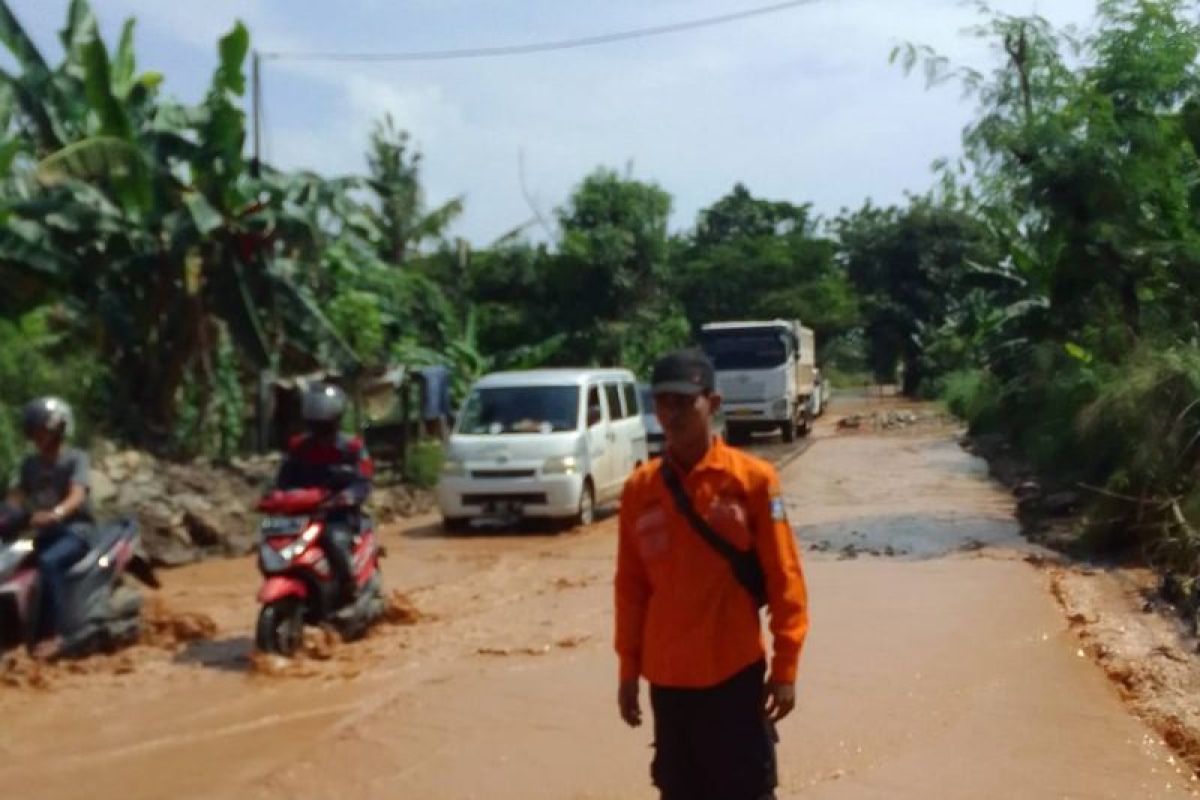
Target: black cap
683, 372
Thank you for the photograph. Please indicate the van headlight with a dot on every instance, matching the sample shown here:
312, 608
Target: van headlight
560, 465
454, 469
780, 407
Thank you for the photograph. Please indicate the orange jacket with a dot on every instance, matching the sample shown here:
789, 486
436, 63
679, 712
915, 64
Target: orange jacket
683, 619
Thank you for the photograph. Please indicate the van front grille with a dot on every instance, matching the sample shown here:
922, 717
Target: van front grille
523, 499
503, 473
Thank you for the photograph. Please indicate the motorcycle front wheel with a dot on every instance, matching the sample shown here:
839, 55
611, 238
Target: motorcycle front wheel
280, 627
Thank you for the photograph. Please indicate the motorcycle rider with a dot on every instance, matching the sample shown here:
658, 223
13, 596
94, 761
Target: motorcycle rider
314, 460
52, 486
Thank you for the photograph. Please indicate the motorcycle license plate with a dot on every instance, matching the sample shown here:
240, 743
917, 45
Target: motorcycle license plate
281, 526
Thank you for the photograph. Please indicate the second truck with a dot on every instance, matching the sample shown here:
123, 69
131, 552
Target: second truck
767, 375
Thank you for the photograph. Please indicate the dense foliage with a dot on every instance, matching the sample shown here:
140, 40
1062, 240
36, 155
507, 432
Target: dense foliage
1047, 286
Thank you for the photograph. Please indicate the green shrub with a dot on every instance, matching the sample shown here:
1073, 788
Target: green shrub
424, 464
972, 395
843, 379
36, 359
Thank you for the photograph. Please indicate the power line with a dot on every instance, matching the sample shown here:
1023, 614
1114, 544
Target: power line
540, 47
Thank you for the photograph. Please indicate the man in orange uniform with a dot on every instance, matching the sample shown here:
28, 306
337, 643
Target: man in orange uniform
687, 617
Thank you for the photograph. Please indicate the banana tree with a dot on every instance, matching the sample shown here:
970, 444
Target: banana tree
140, 213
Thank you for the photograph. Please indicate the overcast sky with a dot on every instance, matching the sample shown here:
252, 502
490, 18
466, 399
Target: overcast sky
799, 105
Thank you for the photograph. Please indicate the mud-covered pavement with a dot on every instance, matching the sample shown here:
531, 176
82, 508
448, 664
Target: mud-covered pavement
939, 665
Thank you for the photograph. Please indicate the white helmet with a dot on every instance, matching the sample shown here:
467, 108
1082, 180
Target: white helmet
48, 413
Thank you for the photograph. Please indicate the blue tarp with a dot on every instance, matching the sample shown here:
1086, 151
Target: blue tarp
435, 402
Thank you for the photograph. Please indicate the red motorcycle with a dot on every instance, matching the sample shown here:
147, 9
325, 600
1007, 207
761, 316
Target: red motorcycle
300, 586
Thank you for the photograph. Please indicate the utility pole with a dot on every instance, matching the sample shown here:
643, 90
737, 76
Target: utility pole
256, 112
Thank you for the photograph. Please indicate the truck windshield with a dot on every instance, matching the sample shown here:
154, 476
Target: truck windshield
745, 349
521, 409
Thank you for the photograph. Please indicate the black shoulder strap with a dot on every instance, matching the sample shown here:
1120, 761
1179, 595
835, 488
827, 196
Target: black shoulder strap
744, 563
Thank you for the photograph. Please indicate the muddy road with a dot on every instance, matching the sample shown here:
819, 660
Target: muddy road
939, 665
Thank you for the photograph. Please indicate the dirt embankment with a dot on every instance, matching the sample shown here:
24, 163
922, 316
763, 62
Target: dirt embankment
1117, 610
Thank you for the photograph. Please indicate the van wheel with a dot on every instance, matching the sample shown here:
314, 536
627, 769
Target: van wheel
788, 429
587, 505
456, 524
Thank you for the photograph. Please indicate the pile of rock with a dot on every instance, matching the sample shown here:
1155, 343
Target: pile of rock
201, 509
390, 503
890, 420
186, 511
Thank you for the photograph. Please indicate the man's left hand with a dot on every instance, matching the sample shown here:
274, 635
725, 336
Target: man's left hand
43, 519
778, 700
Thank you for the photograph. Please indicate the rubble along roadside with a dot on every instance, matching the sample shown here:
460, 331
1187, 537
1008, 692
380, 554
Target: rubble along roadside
201, 509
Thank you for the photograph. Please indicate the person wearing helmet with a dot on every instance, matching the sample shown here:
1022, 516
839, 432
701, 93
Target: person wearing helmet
323, 457
52, 486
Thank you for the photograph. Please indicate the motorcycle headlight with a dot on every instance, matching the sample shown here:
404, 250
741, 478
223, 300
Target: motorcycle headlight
454, 469
301, 544
560, 465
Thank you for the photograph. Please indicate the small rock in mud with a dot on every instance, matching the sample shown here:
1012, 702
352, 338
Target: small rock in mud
20, 671
1029, 488
163, 627
571, 583
848, 552
399, 610
570, 642
514, 651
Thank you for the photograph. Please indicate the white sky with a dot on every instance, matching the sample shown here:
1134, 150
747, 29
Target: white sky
800, 105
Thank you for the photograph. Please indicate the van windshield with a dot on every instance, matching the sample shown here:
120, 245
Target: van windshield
756, 348
521, 409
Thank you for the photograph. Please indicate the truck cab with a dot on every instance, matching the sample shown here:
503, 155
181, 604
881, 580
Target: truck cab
766, 373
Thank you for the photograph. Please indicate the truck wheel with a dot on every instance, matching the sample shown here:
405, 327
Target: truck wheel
735, 434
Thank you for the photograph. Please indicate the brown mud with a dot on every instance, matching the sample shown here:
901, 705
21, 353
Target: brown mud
948, 669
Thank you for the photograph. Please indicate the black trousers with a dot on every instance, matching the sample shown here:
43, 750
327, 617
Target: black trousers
339, 547
714, 743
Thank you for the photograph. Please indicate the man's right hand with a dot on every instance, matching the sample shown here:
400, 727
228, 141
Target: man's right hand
627, 702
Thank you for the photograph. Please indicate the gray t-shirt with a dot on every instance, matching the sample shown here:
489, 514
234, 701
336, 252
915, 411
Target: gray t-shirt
46, 484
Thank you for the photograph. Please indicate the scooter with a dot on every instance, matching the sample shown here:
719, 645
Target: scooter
299, 585
101, 610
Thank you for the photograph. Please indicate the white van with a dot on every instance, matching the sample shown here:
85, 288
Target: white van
550, 443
